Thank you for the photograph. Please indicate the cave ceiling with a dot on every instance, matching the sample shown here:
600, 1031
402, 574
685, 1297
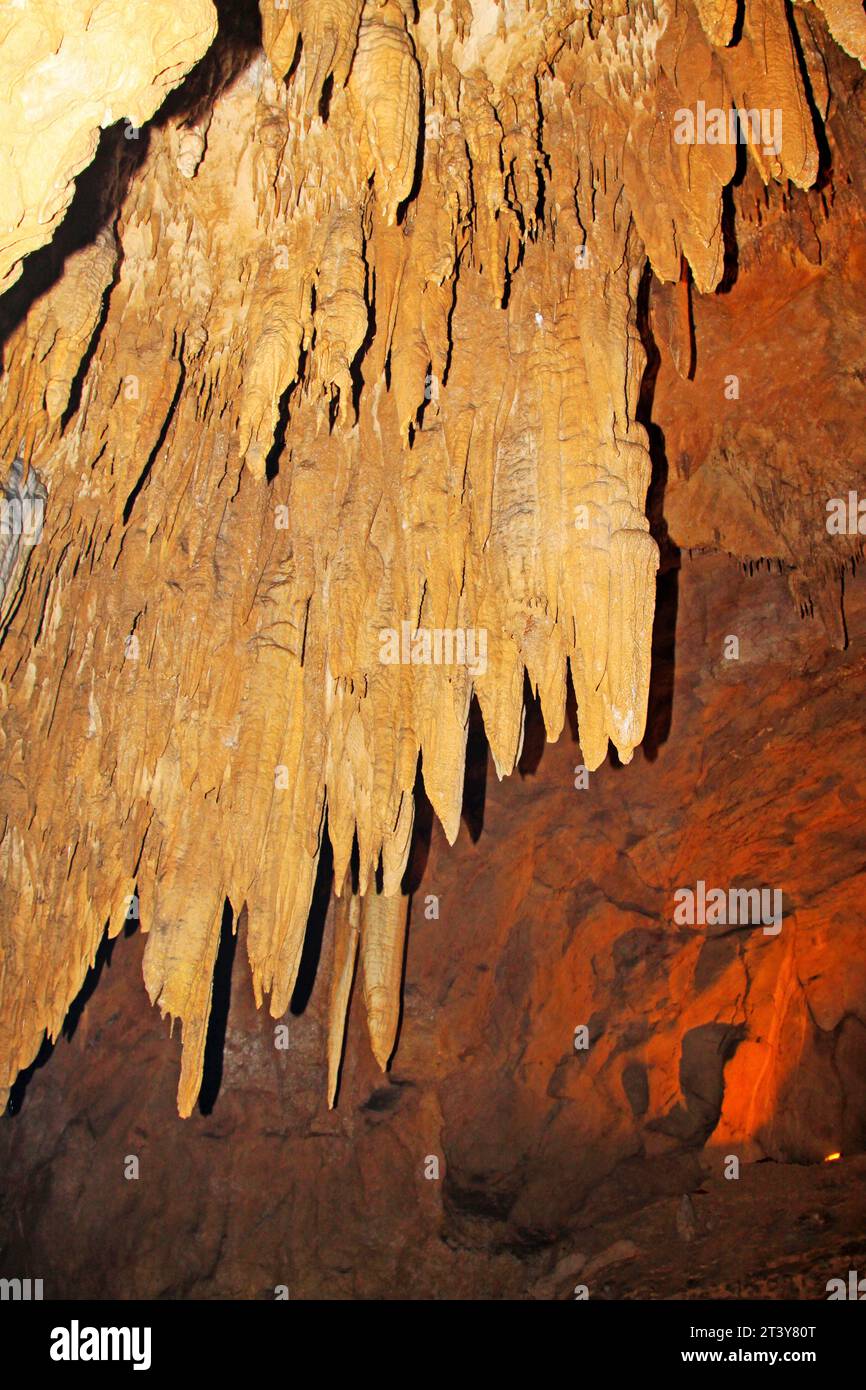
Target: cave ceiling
324, 340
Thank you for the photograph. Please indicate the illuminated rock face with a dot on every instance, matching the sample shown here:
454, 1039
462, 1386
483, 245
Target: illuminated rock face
69, 68
497, 1148
349, 342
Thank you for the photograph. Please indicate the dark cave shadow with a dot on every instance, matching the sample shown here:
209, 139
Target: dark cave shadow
356, 366
535, 741
237, 42
475, 776
731, 251
571, 706
472, 805
663, 657
100, 190
422, 833
475, 779
275, 453
731, 263
662, 665
214, 1052
315, 932
74, 403
417, 172
214, 1048
534, 731
613, 759
842, 574
102, 961
143, 476
704, 1052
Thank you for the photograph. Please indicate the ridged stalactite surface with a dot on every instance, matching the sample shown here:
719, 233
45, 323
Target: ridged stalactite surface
67, 69
336, 413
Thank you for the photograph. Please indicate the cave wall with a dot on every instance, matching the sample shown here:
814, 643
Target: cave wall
70, 68
555, 910
245, 379
425, 317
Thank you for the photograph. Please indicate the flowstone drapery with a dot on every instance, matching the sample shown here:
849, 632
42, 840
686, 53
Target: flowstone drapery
347, 338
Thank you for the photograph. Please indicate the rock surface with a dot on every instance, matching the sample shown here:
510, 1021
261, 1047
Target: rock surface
69, 69
291, 529
703, 1043
360, 397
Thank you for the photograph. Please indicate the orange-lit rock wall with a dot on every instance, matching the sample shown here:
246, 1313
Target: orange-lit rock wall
703, 1043
424, 318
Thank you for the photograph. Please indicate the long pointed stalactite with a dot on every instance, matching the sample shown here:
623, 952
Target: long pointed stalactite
346, 374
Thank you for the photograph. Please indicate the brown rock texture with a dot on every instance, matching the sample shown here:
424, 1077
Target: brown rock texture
754, 450
424, 384
556, 1165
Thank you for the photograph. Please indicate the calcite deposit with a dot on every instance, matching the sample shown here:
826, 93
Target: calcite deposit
68, 69
353, 334
497, 1159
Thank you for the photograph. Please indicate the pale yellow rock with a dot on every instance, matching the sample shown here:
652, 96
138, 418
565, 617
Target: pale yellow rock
386, 89
67, 69
341, 313
426, 320
718, 18
383, 937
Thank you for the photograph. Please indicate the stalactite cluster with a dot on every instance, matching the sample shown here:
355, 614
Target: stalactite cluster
67, 69
351, 342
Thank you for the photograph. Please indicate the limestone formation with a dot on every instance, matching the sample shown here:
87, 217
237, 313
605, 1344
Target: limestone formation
336, 411
68, 69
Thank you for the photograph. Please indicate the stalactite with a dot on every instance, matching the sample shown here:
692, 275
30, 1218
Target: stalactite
50, 118
355, 441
